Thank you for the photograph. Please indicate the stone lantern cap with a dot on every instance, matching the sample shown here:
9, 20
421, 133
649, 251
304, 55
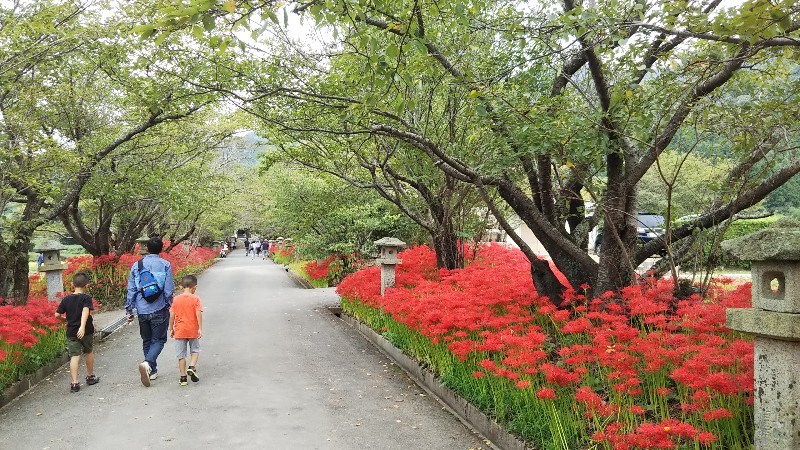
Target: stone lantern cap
49, 250
388, 250
50, 246
780, 242
390, 242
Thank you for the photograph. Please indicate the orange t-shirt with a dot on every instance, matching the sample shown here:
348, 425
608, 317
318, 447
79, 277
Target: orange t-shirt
185, 307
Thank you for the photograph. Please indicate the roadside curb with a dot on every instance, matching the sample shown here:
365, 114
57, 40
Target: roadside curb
300, 281
468, 414
30, 380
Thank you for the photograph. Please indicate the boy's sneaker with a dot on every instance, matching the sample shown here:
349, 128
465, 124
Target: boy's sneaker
183, 381
153, 375
92, 379
144, 373
193, 374
74, 387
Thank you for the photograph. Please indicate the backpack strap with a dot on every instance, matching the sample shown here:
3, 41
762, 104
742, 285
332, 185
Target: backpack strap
140, 267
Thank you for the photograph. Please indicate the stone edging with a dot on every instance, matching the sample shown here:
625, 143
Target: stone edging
30, 380
300, 281
462, 409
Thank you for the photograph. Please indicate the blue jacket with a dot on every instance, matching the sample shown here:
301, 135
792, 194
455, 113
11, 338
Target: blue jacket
162, 270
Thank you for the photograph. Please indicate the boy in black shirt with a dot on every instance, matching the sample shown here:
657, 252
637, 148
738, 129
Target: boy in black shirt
80, 330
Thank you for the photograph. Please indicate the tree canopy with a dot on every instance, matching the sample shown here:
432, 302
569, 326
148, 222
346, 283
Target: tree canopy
443, 110
555, 104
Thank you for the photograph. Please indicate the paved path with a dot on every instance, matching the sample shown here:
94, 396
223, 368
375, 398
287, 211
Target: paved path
277, 371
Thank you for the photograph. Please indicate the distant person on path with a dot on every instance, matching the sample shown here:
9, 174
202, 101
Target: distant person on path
39, 260
254, 246
264, 249
246, 247
186, 327
150, 289
80, 330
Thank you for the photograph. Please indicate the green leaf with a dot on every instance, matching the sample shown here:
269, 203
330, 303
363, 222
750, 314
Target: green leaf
197, 31
393, 51
161, 37
208, 22
481, 110
420, 46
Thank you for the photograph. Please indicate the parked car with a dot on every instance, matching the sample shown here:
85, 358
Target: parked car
648, 227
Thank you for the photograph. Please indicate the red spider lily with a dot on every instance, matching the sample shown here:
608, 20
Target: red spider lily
546, 393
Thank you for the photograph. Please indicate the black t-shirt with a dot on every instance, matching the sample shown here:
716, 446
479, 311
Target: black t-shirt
73, 305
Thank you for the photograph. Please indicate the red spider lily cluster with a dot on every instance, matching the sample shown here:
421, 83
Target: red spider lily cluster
282, 254
27, 332
319, 270
637, 369
109, 273
333, 268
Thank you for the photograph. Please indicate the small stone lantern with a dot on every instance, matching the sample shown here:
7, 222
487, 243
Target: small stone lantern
142, 241
52, 267
389, 248
774, 320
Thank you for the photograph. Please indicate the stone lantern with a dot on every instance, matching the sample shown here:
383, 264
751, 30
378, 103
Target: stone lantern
142, 241
388, 248
52, 266
774, 320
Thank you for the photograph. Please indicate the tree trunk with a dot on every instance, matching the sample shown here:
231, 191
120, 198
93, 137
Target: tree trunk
14, 272
615, 270
446, 246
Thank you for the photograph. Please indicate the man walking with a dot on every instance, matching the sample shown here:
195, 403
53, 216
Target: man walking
150, 289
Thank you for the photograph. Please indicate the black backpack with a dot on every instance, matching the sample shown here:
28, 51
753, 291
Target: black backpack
148, 285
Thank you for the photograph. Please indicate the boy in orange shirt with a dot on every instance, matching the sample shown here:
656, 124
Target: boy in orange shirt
186, 327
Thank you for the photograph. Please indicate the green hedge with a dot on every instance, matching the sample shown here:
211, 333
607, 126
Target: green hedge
739, 228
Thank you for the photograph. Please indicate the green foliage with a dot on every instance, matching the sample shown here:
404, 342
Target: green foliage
694, 181
325, 215
785, 199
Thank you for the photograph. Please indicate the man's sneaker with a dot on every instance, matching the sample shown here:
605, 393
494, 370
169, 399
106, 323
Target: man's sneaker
193, 374
144, 373
92, 379
183, 381
74, 387
153, 375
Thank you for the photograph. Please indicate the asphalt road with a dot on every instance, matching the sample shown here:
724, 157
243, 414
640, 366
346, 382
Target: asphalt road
277, 371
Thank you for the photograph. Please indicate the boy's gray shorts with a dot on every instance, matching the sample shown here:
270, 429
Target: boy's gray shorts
181, 344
